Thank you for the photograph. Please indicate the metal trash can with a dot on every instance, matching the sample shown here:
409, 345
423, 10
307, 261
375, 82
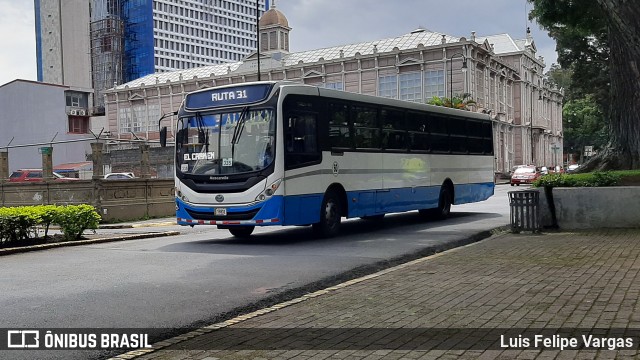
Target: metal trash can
525, 210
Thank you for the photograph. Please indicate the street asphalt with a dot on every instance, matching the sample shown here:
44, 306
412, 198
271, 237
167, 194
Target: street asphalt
511, 296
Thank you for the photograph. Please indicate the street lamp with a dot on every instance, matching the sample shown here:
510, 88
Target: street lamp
464, 70
531, 118
258, 35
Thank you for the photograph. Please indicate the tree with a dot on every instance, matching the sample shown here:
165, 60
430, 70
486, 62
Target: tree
583, 126
598, 40
561, 78
461, 102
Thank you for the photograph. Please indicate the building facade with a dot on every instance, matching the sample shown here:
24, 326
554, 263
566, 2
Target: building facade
133, 38
502, 75
35, 115
62, 42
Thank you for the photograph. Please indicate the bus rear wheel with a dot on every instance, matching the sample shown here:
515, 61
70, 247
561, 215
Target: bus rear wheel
444, 204
330, 216
241, 231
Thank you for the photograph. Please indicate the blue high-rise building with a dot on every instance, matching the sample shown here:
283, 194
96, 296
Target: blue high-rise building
128, 39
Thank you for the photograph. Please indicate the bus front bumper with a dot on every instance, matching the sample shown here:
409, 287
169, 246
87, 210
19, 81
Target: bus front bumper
265, 213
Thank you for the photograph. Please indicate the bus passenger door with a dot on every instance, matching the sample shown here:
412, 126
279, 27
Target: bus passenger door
301, 154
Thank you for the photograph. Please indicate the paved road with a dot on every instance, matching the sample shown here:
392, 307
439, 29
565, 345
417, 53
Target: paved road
194, 278
512, 296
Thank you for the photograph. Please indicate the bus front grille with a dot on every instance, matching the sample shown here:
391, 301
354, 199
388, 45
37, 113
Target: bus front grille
239, 215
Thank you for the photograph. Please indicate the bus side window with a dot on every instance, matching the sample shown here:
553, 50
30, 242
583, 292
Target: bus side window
301, 140
339, 132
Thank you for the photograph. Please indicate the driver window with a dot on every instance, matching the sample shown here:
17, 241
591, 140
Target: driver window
301, 140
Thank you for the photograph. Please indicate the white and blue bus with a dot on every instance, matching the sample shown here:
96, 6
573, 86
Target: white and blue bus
282, 153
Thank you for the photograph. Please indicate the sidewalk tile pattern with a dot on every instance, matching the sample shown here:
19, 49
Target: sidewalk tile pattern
585, 280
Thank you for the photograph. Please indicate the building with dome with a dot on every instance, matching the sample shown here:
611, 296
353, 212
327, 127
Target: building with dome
504, 76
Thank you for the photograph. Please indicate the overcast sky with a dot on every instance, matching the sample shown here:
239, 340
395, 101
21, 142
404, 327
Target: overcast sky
320, 23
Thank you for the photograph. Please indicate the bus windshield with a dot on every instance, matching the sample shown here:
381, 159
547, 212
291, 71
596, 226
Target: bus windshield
226, 143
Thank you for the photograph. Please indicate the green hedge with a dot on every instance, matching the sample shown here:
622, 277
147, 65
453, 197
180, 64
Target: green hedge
19, 225
595, 179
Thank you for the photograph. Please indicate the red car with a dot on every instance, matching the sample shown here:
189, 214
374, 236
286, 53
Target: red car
31, 175
525, 175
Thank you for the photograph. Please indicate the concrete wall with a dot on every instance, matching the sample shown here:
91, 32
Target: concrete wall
161, 161
587, 208
114, 199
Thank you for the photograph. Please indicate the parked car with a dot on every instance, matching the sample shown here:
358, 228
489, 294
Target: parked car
33, 175
525, 175
119, 176
513, 169
572, 168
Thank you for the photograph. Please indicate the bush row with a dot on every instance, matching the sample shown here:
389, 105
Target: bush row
595, 179
19, 224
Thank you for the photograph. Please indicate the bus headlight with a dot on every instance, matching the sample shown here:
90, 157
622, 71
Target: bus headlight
269, 191
182, 197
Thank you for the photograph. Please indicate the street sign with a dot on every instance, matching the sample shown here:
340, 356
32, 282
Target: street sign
45, 150
588, 151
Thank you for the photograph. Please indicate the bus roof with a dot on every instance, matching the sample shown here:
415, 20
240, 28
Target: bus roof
339, 94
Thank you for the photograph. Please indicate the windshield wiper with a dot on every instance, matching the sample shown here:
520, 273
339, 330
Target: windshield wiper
203, 137
237, 132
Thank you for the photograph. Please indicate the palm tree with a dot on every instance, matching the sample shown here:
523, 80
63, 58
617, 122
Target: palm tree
461, 102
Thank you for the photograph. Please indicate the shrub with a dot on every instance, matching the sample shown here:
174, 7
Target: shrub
18, 224
595, 179
75, 219
46, 215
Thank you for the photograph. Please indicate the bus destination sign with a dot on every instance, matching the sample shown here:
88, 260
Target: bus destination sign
229, 96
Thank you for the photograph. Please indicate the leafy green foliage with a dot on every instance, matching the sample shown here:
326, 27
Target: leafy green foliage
597, 40
75, 219
20, 224
595, 179
46, 215
17, 224
581, 34
584, 124
461, 102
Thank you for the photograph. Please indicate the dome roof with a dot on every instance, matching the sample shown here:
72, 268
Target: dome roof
273, 17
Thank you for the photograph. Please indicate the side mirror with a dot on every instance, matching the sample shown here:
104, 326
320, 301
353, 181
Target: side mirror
163, 136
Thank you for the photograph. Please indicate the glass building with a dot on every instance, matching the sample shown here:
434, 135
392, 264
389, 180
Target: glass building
128, 39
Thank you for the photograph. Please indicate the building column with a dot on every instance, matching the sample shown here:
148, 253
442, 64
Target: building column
144, 161
4, 165
47, 162
96, 157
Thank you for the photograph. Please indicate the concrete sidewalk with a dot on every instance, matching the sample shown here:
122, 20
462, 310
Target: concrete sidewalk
168, 221
445, 306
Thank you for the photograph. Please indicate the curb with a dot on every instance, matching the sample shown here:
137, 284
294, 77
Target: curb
203, 330
24, 249
137, 225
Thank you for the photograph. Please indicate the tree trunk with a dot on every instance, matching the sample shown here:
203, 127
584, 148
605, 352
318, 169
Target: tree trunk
623, 151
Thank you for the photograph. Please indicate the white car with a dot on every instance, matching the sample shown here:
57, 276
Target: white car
119, 176
572, 168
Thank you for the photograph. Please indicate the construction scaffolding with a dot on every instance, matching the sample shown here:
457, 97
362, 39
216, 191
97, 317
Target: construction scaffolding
107, 48
138, 39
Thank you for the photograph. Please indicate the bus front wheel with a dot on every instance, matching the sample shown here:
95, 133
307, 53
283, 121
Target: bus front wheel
330, 216
241, 231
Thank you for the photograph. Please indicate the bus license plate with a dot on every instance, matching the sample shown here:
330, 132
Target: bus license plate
221, 211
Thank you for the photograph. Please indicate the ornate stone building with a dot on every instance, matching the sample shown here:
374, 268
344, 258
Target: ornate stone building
504, 76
